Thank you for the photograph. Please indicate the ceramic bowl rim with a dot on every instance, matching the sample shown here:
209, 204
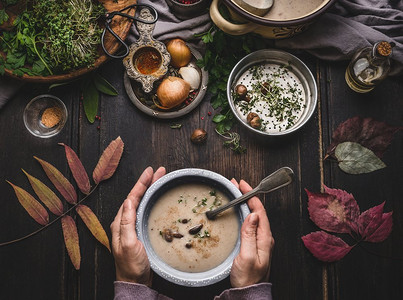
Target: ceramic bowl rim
161, 268
266, 22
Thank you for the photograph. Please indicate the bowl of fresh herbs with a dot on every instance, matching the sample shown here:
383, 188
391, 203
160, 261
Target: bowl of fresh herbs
56, 40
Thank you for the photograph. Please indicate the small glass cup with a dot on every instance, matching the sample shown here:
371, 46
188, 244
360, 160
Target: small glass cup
45, 116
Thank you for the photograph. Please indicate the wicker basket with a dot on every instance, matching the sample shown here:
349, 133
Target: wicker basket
119, 25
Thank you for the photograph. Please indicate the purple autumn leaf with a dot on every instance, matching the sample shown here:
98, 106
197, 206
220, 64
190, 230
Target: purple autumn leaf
334, 211
374, 225
326, 247
370, 133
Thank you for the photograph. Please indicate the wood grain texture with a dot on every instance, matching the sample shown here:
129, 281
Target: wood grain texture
41, 264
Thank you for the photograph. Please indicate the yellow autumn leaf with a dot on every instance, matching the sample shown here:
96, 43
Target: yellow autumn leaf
31, 205
46, 195
93, 224
60, 182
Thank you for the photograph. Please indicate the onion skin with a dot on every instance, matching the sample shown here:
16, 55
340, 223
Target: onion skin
180, 53
171, 92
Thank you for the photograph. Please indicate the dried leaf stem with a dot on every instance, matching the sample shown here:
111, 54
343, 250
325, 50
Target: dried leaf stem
49, 224
378, 254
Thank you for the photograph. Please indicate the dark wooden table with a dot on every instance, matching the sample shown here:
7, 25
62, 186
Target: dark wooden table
39, 267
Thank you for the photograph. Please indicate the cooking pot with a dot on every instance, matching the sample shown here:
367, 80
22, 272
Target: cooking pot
278, 23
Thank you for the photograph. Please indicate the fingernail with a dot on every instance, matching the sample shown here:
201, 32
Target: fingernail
253, 219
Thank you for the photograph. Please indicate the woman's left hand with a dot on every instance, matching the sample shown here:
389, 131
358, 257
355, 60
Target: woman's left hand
131, 260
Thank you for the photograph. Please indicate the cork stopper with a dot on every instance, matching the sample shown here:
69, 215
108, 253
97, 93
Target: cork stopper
384, 48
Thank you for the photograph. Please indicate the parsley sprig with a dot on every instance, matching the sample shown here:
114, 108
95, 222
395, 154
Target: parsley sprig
223, 52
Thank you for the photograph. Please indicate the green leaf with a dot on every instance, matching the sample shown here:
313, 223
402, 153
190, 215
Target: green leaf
3, 16
19, 73
55, 85
16, 60
356, 159
90, 100
103, 85
218, 118
38, 66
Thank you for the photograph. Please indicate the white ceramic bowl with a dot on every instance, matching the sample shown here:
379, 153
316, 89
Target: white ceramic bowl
162, 185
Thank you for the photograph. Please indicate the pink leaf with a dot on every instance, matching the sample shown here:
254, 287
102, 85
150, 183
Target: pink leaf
374, 225
109, 160
77, 169
336, 211
71, 240
368, 132
326, 247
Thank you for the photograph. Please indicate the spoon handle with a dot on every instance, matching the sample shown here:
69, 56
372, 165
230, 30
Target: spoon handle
274, 181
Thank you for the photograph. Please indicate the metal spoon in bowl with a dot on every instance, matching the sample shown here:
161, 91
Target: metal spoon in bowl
280, 178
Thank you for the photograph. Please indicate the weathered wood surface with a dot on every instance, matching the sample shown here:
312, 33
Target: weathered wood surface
39, 267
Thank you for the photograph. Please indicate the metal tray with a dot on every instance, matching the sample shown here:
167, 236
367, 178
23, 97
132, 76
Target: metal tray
131, 86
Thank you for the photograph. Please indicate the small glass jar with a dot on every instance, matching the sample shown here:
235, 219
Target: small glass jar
369, 66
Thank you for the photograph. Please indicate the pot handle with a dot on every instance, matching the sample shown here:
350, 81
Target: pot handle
228, 27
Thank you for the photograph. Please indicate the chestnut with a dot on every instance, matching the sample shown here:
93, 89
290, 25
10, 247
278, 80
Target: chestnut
199, 135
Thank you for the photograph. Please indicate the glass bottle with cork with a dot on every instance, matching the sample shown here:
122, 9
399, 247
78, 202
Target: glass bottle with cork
369, 66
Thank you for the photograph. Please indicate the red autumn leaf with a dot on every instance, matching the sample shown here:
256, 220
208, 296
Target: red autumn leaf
368, 132
374, 225
61, 183
31, 205
352, 209
383, 231
326, 247
77, 169
109, 160
93, 224
334, 211
46, 195
71, 240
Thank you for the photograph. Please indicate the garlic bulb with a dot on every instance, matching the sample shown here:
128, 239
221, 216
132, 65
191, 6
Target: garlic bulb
171, 92
190, 75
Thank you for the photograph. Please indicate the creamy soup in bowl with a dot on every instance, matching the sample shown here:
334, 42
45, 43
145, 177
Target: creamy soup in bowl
183, 246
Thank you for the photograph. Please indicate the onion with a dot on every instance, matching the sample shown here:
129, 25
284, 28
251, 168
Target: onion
180, 53
171, 92
190, 75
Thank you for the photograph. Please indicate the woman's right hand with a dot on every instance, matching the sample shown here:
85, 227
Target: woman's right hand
252, 265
